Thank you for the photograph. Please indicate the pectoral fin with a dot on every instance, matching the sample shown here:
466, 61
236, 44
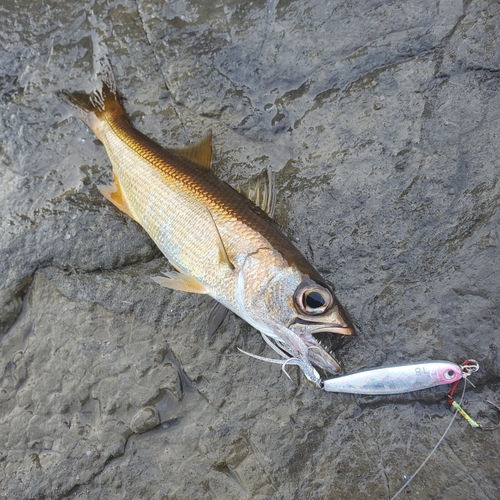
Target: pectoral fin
200, 153
180, 281
114, 194
223, 256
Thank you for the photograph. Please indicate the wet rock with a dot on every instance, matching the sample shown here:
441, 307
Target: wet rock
381, 123
144, 420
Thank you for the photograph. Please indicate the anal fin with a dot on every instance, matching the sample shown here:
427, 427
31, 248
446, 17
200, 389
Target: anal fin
181, 282
114, 194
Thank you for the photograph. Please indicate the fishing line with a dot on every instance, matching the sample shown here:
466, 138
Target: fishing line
433, 450
468, 367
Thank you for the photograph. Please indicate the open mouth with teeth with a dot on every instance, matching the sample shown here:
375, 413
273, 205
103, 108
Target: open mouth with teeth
330, 342
322, 341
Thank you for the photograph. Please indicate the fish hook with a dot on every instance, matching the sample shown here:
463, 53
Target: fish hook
468, 367
282, 362
307, 369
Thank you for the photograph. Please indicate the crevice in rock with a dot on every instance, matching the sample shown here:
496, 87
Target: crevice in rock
158, 65
13, 308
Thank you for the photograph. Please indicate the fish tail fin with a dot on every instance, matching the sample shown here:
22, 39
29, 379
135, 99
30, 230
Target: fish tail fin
101, 103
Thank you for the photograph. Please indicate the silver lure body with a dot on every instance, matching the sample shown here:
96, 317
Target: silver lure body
396, 379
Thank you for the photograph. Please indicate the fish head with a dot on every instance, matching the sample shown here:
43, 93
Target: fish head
300, 314
320, 321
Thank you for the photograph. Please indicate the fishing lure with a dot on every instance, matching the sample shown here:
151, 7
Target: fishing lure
406, 378
396, 379
468, 367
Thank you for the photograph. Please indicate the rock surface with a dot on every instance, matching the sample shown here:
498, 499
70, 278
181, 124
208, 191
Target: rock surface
382, 123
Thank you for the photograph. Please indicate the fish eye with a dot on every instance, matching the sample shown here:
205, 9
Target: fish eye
449, 374
311, 298
314, 299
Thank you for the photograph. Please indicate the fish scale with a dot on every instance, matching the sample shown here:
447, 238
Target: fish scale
179, 185
150, 193
224, 202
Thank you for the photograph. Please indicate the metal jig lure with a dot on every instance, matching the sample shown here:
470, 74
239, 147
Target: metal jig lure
396, 379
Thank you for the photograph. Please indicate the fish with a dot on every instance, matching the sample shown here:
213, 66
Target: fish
396, 379
220, 240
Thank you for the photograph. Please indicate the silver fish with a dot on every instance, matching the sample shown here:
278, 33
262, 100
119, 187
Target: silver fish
219, 242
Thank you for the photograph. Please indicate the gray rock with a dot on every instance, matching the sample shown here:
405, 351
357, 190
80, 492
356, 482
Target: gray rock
381, 121
144, 420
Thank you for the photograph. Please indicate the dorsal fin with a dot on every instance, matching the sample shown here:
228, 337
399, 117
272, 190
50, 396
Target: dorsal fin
200, 152
261, 189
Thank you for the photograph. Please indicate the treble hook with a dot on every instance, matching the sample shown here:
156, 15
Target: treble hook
469, 367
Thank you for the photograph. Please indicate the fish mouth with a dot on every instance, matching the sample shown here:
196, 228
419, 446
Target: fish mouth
311, 327
321, 354
322, 341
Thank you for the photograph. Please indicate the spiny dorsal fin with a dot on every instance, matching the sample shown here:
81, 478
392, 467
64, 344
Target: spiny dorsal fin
200, 153
261, 189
